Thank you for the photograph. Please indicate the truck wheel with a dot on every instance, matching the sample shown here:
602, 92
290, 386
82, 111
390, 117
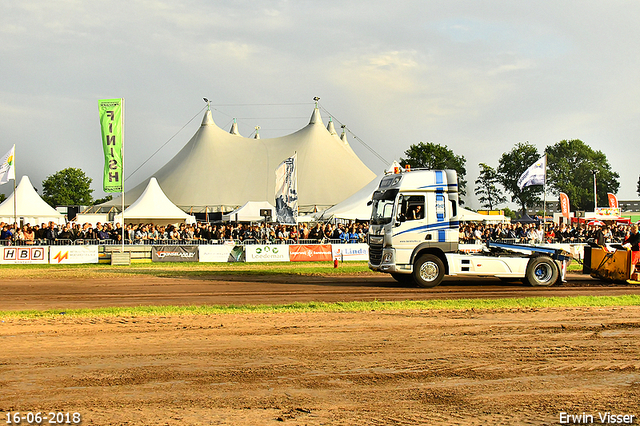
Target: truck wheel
404, 279
541, 271
428, 271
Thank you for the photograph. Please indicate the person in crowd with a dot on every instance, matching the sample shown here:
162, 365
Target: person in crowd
29, 235
632, 241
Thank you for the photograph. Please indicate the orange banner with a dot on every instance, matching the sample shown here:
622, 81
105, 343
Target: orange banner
564, 205
310, 252
613, 200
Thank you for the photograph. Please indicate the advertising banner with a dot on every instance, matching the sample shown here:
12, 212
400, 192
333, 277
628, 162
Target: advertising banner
565, 207
613, 200
287, 191
220, 253
174, 253
267, 253
310, 252
359, 251
73, 254
22, 254
111, 124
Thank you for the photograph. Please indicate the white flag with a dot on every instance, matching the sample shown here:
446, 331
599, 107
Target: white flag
287, 191
7, 169
535, 174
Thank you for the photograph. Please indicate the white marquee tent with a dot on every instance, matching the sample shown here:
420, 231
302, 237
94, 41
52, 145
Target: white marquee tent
154, 206
29, 206
220, 170
250, 212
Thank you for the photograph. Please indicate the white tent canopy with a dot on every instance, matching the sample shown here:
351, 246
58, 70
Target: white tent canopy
217, 168
249, 212
154, 206
354, 207
29, 206
465, 215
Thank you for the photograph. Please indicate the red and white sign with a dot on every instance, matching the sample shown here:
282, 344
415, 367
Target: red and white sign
564, 205
310, 252
613, 200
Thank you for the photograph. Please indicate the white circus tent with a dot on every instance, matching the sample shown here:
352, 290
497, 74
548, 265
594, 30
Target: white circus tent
153, 206
30, 207
220, 171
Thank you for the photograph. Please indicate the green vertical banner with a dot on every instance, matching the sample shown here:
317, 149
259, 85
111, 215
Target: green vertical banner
111, 124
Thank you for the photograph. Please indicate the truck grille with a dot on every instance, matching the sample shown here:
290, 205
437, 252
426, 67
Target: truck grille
375, 253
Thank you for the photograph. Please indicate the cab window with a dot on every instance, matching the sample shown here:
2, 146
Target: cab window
412, 207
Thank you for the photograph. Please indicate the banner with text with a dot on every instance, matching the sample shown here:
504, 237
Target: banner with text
359, 251
174, 253
220, 253
36, 254
267, 253
73, 254
310, 252
111, 124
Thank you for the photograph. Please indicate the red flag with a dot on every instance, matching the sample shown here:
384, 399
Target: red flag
564, 204
613, 201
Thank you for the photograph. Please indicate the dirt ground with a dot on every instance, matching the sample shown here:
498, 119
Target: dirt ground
504, 367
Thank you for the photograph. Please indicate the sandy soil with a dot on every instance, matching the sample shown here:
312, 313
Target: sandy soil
376, 368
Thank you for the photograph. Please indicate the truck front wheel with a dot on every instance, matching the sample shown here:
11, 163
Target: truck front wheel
428, 270
541, 271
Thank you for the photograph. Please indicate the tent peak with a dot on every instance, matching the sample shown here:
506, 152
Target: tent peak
315, 117
234, 128
207, 120
331, 128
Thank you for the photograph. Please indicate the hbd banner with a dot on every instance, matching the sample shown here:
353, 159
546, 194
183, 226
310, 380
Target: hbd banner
25, 254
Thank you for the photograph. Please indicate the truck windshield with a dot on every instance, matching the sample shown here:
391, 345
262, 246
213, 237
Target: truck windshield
382, 209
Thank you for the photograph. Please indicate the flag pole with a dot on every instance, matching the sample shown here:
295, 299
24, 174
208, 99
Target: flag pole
15, 202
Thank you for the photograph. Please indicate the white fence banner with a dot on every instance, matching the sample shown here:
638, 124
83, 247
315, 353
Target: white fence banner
358, 251
267, 253
220, 253
25, 254
73, 254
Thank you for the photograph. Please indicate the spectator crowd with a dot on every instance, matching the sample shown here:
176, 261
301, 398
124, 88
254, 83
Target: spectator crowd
270, 233
200, 233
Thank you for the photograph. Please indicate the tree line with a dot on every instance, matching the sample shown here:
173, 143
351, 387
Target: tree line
570, 169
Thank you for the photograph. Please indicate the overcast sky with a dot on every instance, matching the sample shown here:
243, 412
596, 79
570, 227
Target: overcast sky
476, 76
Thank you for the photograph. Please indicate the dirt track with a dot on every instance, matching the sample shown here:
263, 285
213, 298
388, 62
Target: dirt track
502, 367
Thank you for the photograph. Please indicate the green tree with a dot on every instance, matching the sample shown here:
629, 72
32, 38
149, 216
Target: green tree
486, 190
437, 157
68, 187
2, 197
511, 166
570, 166
108, 197
638, 189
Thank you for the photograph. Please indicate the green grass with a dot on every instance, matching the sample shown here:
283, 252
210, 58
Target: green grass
407, 305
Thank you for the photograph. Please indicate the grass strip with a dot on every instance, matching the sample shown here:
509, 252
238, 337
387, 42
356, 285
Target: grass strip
448, 304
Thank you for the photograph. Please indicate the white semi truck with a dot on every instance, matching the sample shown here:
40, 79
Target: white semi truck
414, 230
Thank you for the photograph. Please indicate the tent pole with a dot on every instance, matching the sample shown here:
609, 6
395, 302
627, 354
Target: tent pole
15, 202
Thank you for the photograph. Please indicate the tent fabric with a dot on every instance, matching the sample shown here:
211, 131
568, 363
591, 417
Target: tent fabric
355, 207
465, 215
29, 205
249, 212
217, 168
154, 206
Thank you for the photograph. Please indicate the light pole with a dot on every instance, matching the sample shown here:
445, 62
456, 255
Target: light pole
595, 191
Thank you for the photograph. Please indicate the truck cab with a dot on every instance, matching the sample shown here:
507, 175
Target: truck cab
414, 231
